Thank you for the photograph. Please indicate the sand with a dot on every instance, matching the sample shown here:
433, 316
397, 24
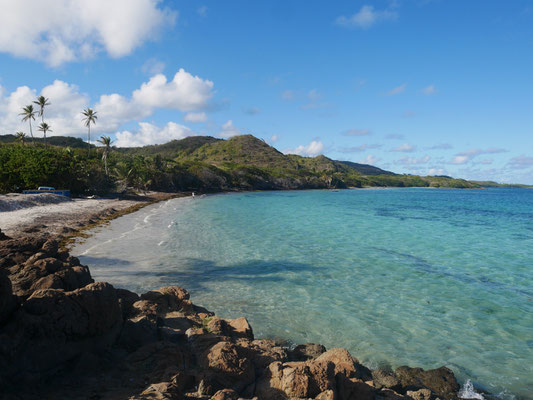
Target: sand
23, 213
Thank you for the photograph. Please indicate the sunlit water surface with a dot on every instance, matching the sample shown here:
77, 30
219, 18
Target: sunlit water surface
398, 276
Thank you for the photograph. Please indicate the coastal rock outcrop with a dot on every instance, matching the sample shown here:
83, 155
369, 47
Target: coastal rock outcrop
64, 336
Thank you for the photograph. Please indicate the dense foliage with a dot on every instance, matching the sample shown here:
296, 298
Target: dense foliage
193, 164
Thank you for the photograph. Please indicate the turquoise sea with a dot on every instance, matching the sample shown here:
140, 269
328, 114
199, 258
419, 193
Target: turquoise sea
423, 277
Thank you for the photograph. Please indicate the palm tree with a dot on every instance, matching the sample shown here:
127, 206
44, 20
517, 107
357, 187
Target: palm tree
44, 127
28, 113
106, 141
42, 102
21, 137
90, 117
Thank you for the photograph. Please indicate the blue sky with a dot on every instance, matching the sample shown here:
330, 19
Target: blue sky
413, 86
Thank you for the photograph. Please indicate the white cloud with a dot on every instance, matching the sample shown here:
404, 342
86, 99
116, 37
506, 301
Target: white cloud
153, 66
521, 162
287, 95
397, 90
436, 171
395, 136
369, 159
366, 17
428, 90
414, 161
202, 11
59, 31
405, 148
229, 130
312, 149
357, 132
185, 92
195, 117
152, 134
63, 114
441, 146
358, 149
465, 157
274, 138
252, 111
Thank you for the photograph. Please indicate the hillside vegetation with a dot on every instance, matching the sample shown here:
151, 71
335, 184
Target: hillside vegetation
203, 164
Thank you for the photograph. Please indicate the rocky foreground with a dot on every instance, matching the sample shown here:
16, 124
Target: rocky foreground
64, 336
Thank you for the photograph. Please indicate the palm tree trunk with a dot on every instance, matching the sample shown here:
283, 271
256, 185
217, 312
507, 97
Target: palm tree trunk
89, 138
31, 133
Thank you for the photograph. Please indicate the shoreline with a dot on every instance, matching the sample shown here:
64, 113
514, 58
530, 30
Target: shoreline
404, 383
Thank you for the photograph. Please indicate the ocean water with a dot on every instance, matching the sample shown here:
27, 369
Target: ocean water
419, 277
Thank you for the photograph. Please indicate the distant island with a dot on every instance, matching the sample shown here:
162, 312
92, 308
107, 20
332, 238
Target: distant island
196, 163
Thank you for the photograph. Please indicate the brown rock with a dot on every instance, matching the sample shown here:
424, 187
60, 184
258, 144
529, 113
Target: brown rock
354, 389
422, 394
8, 303
226, 394
126, 300
440, 381
240, 328
3, 236
228, 365
263, 352
383, 379
327, 395
304, 352
167, 298
160, 391
345, 364
51, 247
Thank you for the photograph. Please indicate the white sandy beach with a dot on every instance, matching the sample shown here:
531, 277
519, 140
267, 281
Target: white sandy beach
19, 212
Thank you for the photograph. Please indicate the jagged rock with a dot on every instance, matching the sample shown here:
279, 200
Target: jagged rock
3, 236
304, 352
422, 394
51, 247
228, 366
126, 300
240, 328
160, 391
327, 395
167, 298
354, 389
440, 381
226, 394
263, 352
54, 326
345, 364
383, 379
8, 303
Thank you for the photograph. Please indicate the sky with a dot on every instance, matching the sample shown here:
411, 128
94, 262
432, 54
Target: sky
429, 87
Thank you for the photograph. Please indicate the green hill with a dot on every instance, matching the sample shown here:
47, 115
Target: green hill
199, 163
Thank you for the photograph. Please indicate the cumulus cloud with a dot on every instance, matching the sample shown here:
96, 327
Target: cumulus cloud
358, 149
440, 146
428, 90
312, 149
436, 171
287, 95
229, 130
153, 66
195, 117
59, 31
465, 157
520, 162
395, 136
369, 159
357, 132
252, 111
63, 114
366, 17
405, 148
397, 90
202, 11
414, 161
152, 134
274, 138
185, 92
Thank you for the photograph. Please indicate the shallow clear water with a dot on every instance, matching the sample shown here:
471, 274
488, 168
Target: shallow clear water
398, 276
